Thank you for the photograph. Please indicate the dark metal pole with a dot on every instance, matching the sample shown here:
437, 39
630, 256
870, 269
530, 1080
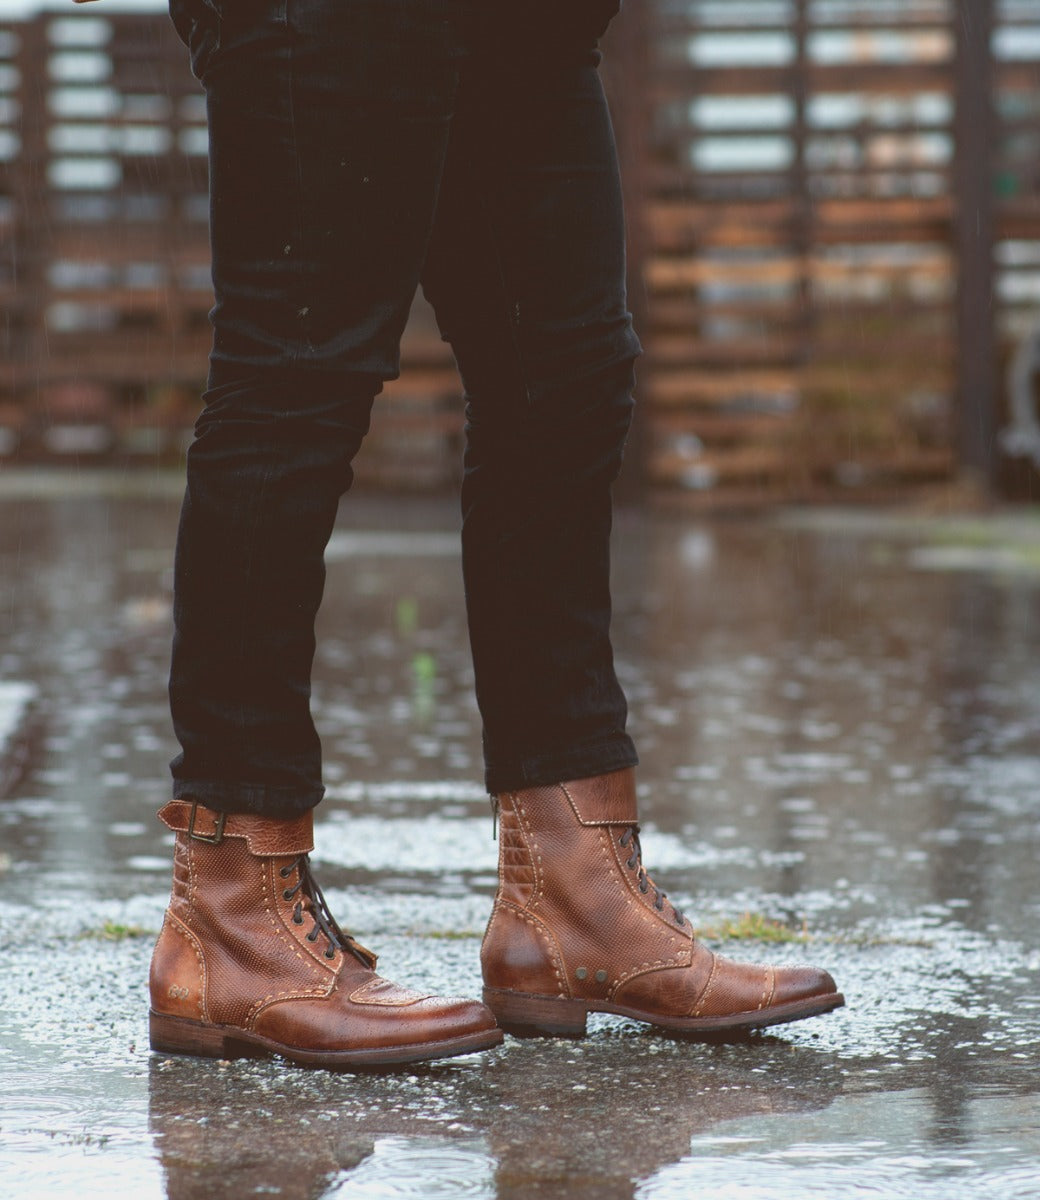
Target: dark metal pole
974, 228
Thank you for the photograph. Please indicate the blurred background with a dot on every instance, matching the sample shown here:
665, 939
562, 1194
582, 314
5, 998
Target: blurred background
834, 212
834, 216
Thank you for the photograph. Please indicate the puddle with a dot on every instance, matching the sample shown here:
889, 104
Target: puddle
832, 739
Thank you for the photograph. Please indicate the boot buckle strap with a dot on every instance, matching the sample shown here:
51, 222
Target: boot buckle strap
212, 839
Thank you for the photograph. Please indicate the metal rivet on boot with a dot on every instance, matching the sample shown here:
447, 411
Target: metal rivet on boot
601, 977
581, 973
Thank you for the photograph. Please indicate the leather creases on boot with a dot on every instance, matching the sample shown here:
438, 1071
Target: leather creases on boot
578, 927
250, 960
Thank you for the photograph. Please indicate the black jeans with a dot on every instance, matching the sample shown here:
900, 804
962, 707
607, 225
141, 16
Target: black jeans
358, 148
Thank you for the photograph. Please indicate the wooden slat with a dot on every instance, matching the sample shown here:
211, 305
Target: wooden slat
716, 428
682, 272
672, 82
668, 350
689, 385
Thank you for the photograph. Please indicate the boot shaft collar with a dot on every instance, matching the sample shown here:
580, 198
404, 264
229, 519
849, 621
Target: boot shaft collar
264, 836
604, 799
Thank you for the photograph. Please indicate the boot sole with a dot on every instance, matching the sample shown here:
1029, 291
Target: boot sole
179, 1035
526, 1015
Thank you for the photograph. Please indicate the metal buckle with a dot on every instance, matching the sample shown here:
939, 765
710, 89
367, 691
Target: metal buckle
214, 838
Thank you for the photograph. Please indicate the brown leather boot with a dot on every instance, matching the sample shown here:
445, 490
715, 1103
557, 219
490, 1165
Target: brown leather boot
250, 961
578, 927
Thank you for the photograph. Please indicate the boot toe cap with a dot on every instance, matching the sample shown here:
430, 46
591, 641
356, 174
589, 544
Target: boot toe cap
802, 983
453, 1016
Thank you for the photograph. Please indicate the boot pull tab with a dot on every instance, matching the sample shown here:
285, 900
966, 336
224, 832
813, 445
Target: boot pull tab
494, 818
361, 953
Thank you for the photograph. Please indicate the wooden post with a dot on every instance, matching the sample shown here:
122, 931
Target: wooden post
974, 236
31, 197
800, 467
801, 197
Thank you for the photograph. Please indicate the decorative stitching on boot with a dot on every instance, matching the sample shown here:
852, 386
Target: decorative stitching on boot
532, 850
642, 902
767, 994
178, 926
661, 964
251, 1017
606, 848
632, 896
399, 997
611, 819
487, 927
192, 876
555, 956
278, 922
702, 999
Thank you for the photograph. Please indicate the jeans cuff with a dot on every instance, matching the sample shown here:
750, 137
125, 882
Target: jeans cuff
576, 762
278, 803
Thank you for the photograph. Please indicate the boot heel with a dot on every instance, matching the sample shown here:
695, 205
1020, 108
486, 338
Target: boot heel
536, 1016
176, 1035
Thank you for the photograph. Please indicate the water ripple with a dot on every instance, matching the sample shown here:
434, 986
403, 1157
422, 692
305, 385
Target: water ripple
423, 1168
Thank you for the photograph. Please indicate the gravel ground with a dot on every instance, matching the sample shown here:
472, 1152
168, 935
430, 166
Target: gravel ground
839, 719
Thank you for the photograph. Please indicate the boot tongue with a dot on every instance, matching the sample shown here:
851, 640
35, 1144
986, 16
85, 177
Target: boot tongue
364, 956
322, 916
604, 799
630, 839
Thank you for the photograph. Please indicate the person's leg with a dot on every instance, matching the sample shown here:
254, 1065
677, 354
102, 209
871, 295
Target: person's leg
328, 126
526, 272
328, 123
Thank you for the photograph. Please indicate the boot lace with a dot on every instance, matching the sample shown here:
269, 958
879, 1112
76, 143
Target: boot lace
635, 863
309, 899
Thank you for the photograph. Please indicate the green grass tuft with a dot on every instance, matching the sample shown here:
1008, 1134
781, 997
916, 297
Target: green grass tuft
113, 931
754, 927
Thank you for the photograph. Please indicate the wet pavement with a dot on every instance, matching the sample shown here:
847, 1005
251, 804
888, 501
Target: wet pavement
839, 720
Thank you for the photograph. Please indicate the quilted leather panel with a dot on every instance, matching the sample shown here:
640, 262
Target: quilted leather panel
516, 869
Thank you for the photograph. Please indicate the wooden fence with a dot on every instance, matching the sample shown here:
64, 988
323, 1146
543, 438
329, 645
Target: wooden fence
815, 267
104, 259
802, 214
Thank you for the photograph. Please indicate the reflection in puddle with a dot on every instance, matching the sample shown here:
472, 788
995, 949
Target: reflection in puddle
422, 1169
827, 737
892, 1147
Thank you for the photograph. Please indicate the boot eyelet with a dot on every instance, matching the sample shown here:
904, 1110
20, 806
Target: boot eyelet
330, 953
313, 935
644, 887
297, 919
285, 872
287, 894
